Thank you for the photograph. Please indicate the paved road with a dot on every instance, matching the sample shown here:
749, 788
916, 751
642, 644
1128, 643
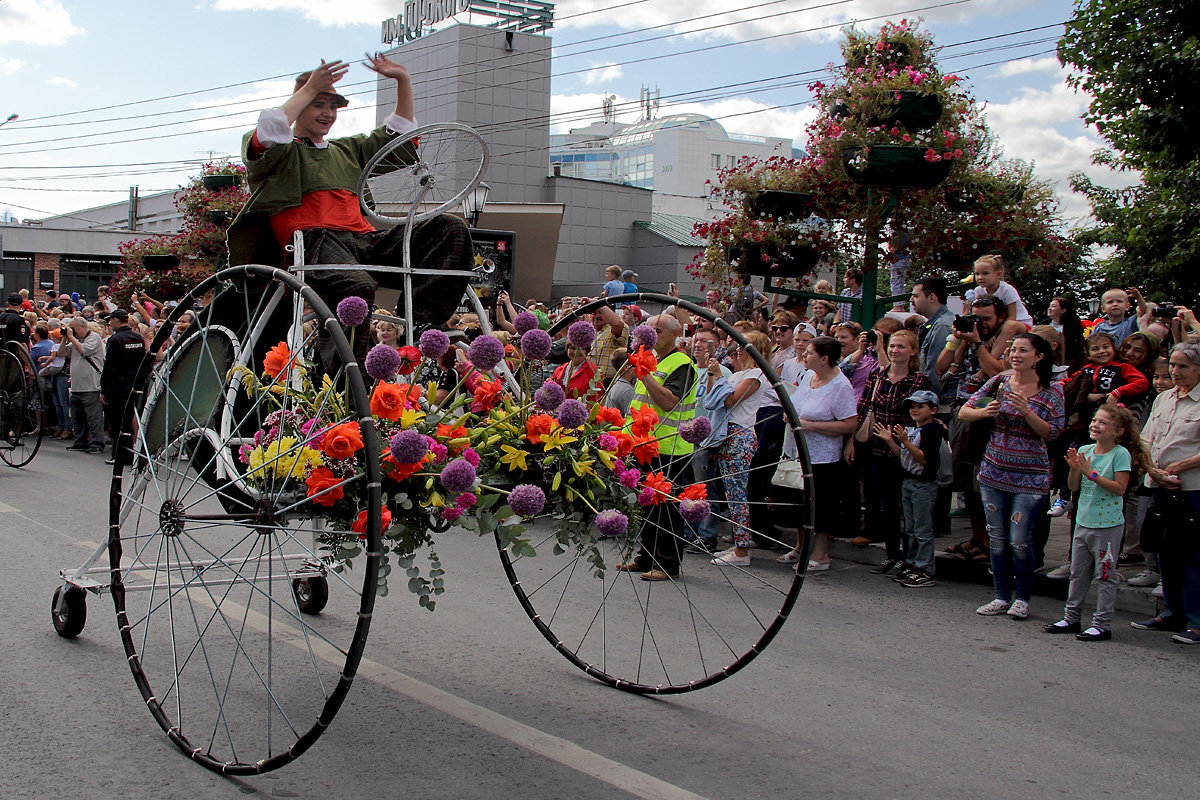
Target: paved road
870, 691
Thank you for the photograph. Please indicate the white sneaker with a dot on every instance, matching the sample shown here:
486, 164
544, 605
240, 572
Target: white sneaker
1059, 573
1157, 590
731, 559
1058, 508
1146, 577
992, 609
1019, 609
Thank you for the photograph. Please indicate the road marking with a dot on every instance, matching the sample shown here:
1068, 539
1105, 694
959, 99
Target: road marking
5, 508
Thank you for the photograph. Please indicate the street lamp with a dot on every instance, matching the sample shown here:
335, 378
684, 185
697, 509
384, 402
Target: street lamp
10, 118
474, 202
1094, 306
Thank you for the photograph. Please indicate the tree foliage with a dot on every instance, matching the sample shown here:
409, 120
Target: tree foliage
1140, 62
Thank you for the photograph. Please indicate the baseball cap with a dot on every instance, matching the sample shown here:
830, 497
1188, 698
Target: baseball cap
805, 327
628, 275
119, 314
15, 299
922, 396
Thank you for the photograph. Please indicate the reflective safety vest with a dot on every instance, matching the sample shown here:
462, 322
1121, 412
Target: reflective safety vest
670, 444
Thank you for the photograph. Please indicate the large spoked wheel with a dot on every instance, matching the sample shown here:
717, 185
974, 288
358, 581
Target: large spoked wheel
20, 407
675, 635
440, 164
215, 546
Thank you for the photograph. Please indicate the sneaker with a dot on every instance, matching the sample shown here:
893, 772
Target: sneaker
702, 546
1157, 591
1146, 577
1129, 559
731, 559
902, 569
1059, 508
1156, 624
916, 579
1019, 609
1187, 637
992, 609
1058, 573
78, 446
96, 448
886, 566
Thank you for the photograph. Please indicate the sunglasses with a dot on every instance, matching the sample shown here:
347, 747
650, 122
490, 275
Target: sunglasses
780, 328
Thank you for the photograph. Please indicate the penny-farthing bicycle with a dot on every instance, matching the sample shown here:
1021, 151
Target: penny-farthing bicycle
20, 406
241, 638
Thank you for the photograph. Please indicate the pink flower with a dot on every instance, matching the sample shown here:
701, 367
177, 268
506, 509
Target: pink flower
630, 478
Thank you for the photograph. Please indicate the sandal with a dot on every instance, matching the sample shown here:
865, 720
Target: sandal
960, 548
969, 551
790, 557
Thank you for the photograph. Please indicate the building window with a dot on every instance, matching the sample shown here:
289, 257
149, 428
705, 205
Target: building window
716, 160
729, 162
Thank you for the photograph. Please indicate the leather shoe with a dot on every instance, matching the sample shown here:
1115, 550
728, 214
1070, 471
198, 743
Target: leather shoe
658, 575
1098, 636
862, 541
78, 446
1060, 627
632, 566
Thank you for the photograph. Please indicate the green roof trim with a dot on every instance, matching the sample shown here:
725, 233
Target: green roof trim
675, 228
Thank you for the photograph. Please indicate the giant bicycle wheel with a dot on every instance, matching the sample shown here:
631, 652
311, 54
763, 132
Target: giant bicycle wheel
20, 407
215, 547
438, 164
669, 636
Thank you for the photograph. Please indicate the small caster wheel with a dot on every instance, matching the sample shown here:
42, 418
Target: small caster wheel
69, 620
311, 594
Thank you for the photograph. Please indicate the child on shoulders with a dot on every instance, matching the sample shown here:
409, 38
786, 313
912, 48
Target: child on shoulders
989, 280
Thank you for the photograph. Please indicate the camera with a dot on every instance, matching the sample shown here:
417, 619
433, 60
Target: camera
1166, 310
872, 337
966, 323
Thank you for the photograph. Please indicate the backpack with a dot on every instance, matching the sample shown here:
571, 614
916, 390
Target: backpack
945, 472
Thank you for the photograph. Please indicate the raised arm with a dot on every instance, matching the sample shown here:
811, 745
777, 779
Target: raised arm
384, 66
322, 79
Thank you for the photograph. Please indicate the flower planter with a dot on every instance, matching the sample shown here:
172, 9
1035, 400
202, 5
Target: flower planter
913, 110
961, 201
898, 54
160, 262
220, 218
782, 204
212, 182
794, 260
894, 165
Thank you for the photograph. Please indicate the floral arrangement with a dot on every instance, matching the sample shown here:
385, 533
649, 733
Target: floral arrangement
200, 245
483, 460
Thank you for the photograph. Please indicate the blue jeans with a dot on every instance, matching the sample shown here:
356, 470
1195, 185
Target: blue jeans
704, 470
916, 499
1010, 520
60, 393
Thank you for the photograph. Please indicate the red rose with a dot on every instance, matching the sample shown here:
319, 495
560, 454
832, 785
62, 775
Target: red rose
388, 401
323, 487
410, 358
342, 441
360, 522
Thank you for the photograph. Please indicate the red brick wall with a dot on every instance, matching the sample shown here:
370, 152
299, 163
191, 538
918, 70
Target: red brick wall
43, 261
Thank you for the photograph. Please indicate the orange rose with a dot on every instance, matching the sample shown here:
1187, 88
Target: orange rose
537, 426
360, 522
487, 394
342, 441
323, 487
660, 485
645, 449
624, 443
697, 491
644, 362
388, 401
610, 416
402, 472
644, 420
445, 434
277, 360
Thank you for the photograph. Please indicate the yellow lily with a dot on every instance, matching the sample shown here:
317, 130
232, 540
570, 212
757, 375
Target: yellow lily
513, 458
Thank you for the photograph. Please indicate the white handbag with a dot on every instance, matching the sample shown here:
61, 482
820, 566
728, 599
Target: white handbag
789, 473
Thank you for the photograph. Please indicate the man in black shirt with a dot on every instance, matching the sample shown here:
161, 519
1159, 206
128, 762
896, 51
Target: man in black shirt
12, 321
123, 355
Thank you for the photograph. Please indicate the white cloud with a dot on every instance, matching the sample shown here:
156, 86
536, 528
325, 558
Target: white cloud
822, 24
61, 81
9, 65
35, 22
602, 73
326, 12
1024, 66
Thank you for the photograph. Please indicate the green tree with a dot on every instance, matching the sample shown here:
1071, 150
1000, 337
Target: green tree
1140, 62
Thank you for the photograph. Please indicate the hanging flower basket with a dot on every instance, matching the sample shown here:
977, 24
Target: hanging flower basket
160, 262
914, 110
775, 203
213, 182
894, 165
792, 261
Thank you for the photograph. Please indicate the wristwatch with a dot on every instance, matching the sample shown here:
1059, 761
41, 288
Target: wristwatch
1093, 475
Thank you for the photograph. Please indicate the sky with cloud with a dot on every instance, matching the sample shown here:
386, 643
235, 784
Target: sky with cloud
140, 92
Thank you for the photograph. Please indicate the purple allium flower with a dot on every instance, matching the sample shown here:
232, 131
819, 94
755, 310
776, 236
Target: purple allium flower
465, 500
644, 336
607, 441
550, 396
572, 413
527, 500
694, 511
458, 475
612, 523
536, 344
695, 430
524, 323
408, 447
630, 478
485, 352
646, 497
581, 334
470, 455
352, 311
382, 362
434, 344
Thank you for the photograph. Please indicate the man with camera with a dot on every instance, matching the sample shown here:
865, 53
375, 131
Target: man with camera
85, 349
